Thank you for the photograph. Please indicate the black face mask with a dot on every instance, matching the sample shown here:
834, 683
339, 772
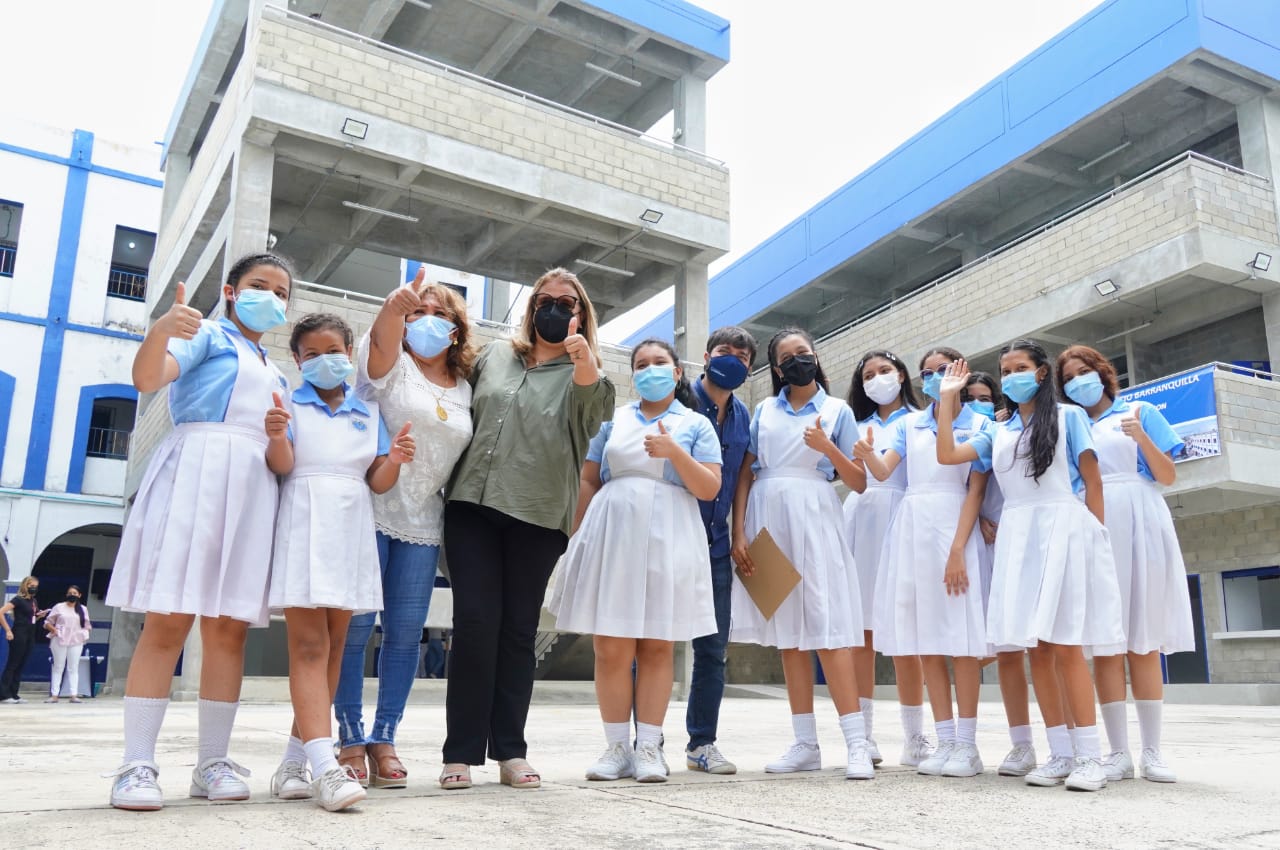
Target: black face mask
552, 322
799, 370
75, 600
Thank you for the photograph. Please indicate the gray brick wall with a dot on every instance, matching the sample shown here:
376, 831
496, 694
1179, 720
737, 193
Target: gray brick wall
1240, 337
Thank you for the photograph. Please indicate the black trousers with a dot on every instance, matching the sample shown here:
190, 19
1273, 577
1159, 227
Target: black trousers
499, 567
19, 649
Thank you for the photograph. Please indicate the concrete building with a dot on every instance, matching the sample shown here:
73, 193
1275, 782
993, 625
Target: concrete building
78, 219
1116, 188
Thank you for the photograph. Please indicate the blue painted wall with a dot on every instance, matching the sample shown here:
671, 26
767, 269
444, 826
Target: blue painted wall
84, 415
7, 383
679, 21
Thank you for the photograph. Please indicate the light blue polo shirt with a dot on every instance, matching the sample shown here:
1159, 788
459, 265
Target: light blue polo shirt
208, 365
1156, 426
351, 406
980, 438
696, 436
1079, 438
844, 434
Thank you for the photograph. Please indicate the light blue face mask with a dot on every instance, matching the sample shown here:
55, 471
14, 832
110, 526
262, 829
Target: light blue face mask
984, 408
1085, 390
654, 383
327, 370
1020, 386
429, 335
258, 310
932, 386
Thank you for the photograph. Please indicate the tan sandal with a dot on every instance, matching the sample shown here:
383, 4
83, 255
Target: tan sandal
455, 776
352, 759
518, 773
386, 770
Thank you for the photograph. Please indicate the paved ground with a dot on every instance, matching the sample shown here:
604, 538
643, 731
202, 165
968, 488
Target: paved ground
1229, 796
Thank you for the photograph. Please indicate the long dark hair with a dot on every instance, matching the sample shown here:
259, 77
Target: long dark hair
1043, 439
778, 383
80, 609
863, 406
684, 389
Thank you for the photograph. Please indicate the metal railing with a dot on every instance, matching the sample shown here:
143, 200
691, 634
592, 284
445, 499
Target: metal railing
8, 255
109, 443
129, 283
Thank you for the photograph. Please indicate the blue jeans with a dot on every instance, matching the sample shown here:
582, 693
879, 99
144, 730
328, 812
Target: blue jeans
707, 688
408, 575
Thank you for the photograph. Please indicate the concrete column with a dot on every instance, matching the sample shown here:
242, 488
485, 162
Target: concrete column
176, 169
692, 314
1271, 320
691, 113
1259, 122
250, 202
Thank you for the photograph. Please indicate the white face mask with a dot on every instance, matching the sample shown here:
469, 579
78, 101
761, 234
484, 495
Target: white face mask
883, 388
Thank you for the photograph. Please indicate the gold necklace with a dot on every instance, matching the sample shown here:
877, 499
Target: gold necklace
441, 413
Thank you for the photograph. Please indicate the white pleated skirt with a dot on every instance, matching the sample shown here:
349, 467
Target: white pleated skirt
867, 517
823, 611
638, 567
914, 615
326, 554
1053, 579
198, 539
1154, 601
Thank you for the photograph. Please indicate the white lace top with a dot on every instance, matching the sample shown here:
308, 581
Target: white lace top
413, 510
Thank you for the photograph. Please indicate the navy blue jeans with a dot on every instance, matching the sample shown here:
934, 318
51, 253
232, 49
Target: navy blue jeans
707, 688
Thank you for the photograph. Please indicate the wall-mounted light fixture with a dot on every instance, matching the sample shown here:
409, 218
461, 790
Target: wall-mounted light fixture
1261, 262
1106, 287
651, 216
379, 211
355, 129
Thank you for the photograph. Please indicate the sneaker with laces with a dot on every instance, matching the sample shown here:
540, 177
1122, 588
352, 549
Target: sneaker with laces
1020, 761
337, 789
135, 788
616, 763
1118, 765
916, 749
291, 781
859, 765
1051, 773
1087, 775
1153, 767
964, 761
650, 765
932, 766
874, 751
798, 757
216, 779
709, 759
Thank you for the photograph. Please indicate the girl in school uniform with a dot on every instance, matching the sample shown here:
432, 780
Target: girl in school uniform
928, 600
880, 394
800, 440
1135, 448
198, 538
333, 449
637, 573
1053, 584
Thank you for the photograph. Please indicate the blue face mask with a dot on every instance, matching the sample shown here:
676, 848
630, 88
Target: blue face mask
429, 335
258, 310
726, 371
932, 386
1020, 386
655, 383
1085, 390
984, 408
327, 370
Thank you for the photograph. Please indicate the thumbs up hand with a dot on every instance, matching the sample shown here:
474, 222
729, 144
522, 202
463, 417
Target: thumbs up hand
661, 445
865, 449
404, 301
1132, 426
575, 344
402, 446
181, 321
277, 421
817, 439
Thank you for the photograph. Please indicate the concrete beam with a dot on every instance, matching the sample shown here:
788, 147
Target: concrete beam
502, 51
378, 16
1071, 178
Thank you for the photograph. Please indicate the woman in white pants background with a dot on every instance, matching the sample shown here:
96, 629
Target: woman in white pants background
68, 626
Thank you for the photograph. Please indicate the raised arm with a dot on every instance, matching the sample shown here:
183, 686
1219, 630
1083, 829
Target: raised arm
153, 366
387, 331
948, 403
879, 465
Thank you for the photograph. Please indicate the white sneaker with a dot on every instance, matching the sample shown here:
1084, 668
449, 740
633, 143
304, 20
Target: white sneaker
337, 789
799, 757
916, 749
216, 779
1051, 773
616, 763
1087, 775
650, 766
859, 765
874, 751
1020, 761
709, 759
932, 766
291, 781
1154, 769
1118, 765
964, 761
136, 788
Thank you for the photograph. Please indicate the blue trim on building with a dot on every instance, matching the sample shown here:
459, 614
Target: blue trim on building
71, 326
7, 384
84, 416
93, 169
677, 20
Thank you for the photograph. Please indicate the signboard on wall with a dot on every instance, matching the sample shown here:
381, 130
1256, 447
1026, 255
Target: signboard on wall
1188, 401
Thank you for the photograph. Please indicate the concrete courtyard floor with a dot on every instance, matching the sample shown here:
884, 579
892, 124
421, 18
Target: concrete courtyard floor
1228, 795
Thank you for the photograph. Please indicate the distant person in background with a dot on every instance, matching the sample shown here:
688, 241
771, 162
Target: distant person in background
25, 612
68, 626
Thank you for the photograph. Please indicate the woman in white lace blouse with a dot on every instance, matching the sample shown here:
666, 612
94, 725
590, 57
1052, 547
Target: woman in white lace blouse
414, 362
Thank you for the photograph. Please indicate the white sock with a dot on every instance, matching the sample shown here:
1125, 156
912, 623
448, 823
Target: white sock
912, 720
854, 727
1020, 736
142, 719
648, 733
1060, 742
967, 730
618, 733
1115, 718
867, 707
1149, 713
805, 727
293, 751
1088, 744
216, 720
320, 753
946, 730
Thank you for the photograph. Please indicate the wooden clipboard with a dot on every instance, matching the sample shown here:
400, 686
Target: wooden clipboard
774, 577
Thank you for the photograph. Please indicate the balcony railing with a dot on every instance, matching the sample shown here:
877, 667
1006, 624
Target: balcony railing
110, 443
128, 283
8, 254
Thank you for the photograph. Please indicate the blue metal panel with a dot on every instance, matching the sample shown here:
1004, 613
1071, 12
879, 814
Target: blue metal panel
84, 415
7, 383
681, 22
1244, 31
